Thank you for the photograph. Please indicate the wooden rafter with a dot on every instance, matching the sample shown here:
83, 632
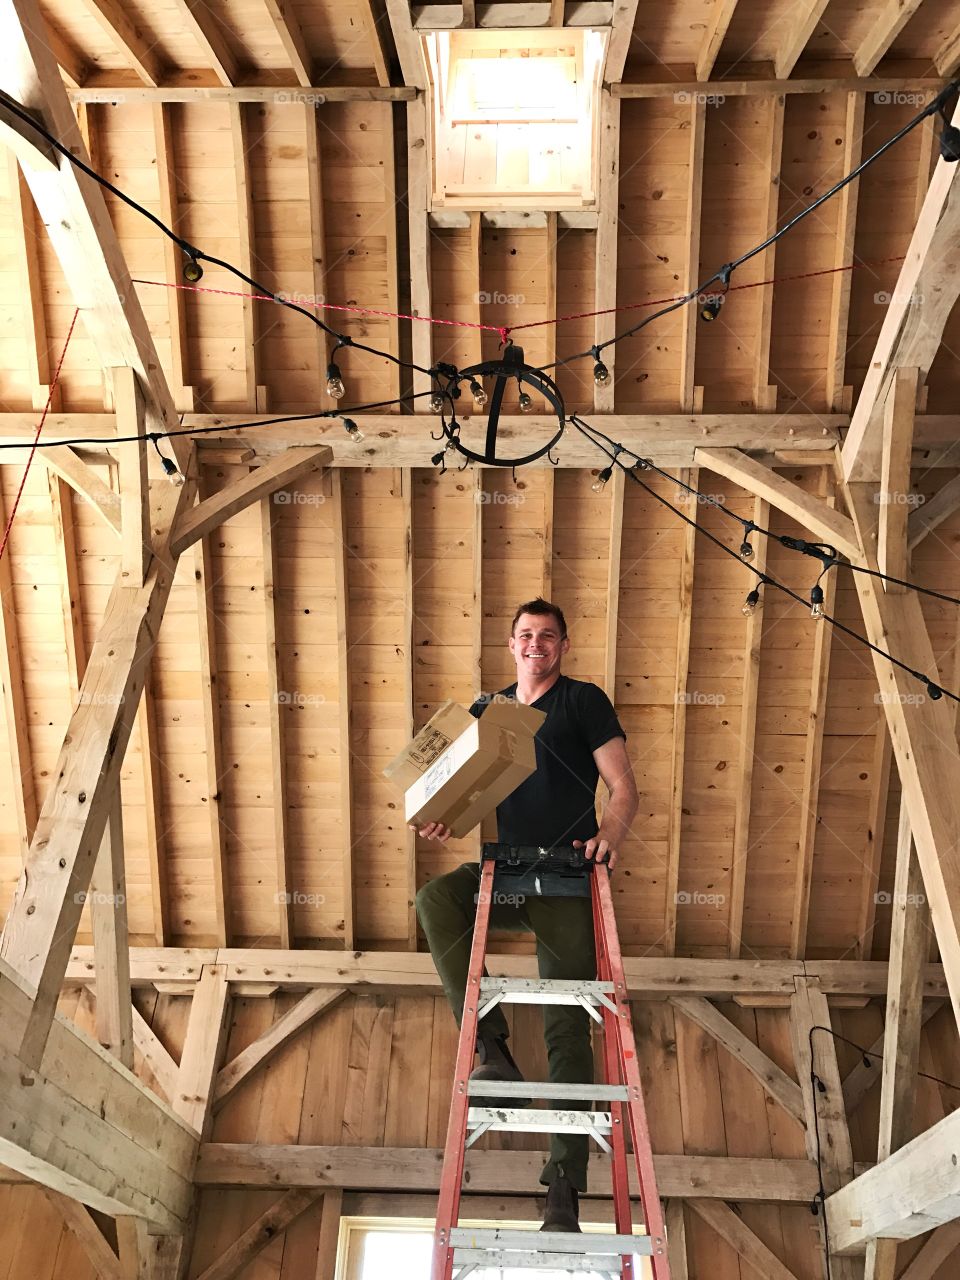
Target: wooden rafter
409, 713
861, 1078
676, 1239
328, 1244
111, 947
376, 43
344, 705
71, 61
843, 254
933, 513
752, 639
605, 286
81, 478
277, 713
876, 828
738, 1235
240, 1253
287, 26
207, 30
181, 391
64, 533
765, 393
25, 237
716, 28
240, 139
895, 475
318, 237
128, 39
135, 541
799, 28
152, 801
205, 88
948, 58
689, 395
618, 486
942, 1244
155, 1056
105, 1263
15, 707
681, 672
621, 38
202, 1046
886, 26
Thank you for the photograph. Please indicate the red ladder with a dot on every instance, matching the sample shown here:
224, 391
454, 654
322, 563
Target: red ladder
606, 1001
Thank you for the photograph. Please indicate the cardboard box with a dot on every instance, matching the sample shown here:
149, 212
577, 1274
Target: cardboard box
458, 768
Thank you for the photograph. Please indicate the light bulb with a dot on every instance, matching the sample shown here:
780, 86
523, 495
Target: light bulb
526, 403
356, 435
172, 473
192, 271
601, 374
480, 397
934, 691
751, 602
746, 550
816, 602
335, 387
602, 479
436, 402
437, 459
711, 309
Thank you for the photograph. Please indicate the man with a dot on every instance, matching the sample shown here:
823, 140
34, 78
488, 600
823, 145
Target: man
580, 741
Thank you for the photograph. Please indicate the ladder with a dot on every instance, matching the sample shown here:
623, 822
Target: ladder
458, 1252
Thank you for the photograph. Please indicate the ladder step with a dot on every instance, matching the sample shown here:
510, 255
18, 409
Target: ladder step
594, 1264
546, 1089
502, 1119
595, 1243
545, 990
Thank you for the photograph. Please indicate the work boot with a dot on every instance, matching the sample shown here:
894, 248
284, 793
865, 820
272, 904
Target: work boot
562, 1210
496, 1063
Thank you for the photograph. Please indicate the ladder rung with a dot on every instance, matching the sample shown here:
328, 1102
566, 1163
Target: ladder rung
596, 1243
546, 1089
594, 1263
517, 1121
543, 990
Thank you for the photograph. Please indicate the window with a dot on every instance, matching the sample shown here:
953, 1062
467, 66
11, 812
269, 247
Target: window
400, 1248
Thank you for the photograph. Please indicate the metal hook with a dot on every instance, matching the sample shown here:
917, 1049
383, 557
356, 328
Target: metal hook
551, 459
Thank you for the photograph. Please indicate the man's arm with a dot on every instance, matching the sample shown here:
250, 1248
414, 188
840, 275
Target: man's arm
622, 803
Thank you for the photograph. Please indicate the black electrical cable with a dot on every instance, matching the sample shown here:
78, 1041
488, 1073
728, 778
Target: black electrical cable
934, 690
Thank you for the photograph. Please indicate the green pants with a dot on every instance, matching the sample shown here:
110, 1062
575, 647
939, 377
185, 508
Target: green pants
447, 908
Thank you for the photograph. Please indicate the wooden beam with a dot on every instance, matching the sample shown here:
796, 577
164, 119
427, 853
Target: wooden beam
915, 1189
731, 1227
886, 26
252, 1165
283, 469
909, 941
85, 1126
111, 947
947, 58
827, 1134
922, 299
318, 241
132, 43
155, 1055
942, 1244
605, 288
64, 533
207, 30
328, 1245
617, 484
765, 392
409, 704
344, 704
619, 41
689, 315
861, 1078
26, 238
152, 802
240, 1253
812, 513
812, 764
180, 387
287, 26
30, 147
241, 144
277, 714
772, 1078
932, 514
419, 200
135, 541
676, 1240
206, 1031
876, 829
269, 1043
747, 737
719, 20
841, 282
895, 475
377, 45
65, 463
105, 1263
799, 28
678, 748
662, 85
73, 65
203, 88
22, 784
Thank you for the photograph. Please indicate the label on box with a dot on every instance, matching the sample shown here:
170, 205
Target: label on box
429, 746
436, 776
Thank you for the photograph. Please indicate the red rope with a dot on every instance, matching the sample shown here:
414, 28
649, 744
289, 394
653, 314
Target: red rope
43, 418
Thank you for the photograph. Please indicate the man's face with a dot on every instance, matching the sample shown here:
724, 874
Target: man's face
536, 645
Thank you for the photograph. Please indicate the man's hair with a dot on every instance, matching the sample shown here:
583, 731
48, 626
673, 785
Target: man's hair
541, 607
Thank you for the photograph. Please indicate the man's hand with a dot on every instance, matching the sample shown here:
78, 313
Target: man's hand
432, 831
598, 847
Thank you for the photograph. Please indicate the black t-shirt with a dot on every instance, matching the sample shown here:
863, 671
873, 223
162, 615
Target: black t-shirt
557, 804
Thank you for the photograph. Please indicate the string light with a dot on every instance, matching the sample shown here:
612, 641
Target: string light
751, 602
601, 374
170, 468
335, 384
480, 397
934, 692
949, 138
816, 601
526, 402
746, 548
192, 271
601, 480
436, 402
356, 435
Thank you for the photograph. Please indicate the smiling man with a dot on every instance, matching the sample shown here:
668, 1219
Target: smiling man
580, 742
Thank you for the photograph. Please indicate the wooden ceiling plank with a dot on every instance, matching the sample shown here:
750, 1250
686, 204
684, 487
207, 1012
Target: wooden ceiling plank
74, 212
605, 287
909, 940
24, 228
912, 329
105, 1263
730, 1227
291, 37
720, 17
212, 737
892, 554
800, 27
108, 915
842, 281
277, 712
209, 33
181, 391
620, 40
812, 766
292, 464
290, 1206
15, 706
135, 539
318, 240
128, 39
240, 137
752, 640
202, 1046
269, 1043
765, 393
65, 462
618, 486
860, 1080
876, 829
689, 314
886, 26
73, 65
344, 703
941, 1246
827, 1134
773, 1079
678, 749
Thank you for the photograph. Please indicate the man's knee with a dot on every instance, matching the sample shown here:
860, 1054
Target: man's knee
446, 893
